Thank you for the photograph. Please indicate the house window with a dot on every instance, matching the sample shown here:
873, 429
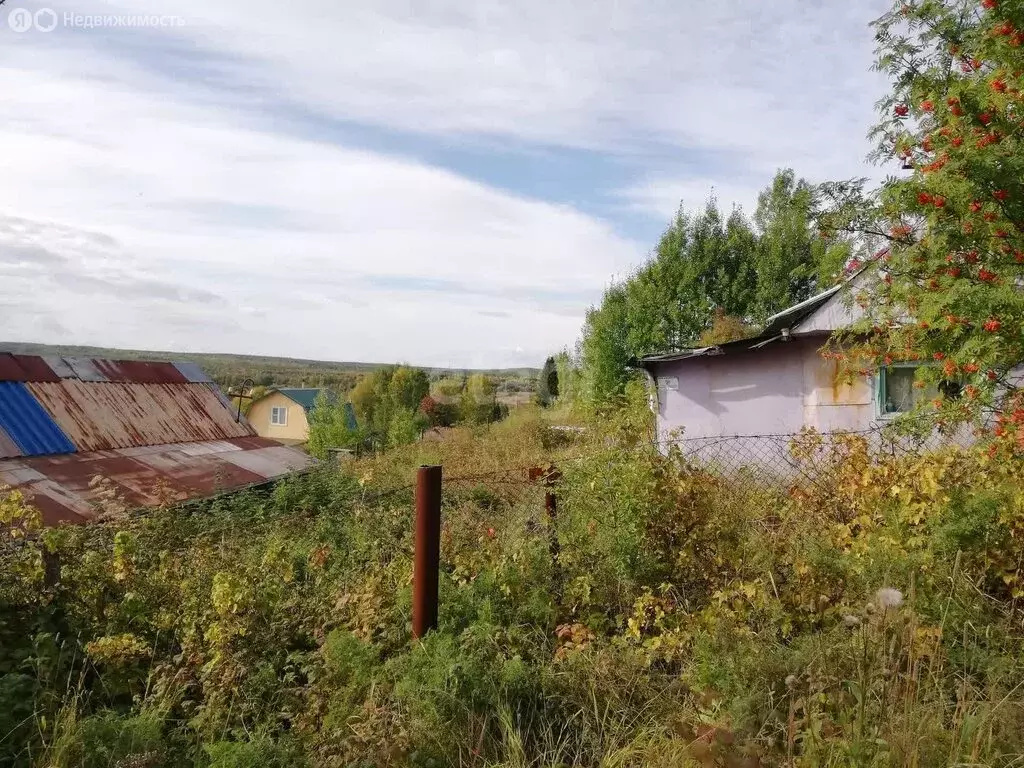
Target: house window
897, 393
279, 416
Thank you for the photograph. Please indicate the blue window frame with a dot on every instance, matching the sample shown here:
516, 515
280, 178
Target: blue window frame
897, 393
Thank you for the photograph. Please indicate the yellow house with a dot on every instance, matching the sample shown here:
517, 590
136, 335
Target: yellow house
282, 414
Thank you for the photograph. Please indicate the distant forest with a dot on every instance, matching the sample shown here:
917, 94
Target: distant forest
229, 371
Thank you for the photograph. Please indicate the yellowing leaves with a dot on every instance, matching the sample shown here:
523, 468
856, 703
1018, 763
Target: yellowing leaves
17, 517
117, 649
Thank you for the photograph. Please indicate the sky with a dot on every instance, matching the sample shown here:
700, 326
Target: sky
427, 181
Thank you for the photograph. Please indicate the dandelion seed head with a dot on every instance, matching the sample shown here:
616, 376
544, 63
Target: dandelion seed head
887, 597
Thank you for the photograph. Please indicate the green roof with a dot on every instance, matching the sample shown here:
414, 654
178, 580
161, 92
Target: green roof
306, 397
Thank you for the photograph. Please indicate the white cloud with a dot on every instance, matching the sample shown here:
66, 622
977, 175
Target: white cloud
181, 230
787, 77
661, 197
225, 230
782, 83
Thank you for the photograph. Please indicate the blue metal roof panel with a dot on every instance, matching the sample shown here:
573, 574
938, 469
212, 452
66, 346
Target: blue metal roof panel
192, 372
28, 424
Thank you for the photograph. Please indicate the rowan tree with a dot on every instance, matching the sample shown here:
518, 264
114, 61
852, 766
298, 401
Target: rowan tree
948, 291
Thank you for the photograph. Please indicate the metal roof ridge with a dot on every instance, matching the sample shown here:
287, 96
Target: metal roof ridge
847, 280
682, 353
54, 368
804, 303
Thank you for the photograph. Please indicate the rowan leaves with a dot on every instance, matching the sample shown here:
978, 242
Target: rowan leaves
955, 259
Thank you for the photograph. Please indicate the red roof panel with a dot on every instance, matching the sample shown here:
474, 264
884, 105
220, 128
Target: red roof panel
25, 368
36, 368
140, 372
9, 368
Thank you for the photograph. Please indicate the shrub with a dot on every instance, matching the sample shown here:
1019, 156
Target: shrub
863, 611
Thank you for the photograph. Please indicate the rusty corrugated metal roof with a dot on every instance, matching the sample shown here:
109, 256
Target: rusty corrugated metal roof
8, 448
154, 435
104, 416
59, 486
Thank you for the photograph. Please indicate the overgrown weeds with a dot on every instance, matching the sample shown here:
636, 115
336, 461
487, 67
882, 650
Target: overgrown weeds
869, 617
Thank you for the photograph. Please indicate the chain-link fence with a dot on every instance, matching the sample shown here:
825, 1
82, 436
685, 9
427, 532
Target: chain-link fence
808, 459
478, 505
775, 452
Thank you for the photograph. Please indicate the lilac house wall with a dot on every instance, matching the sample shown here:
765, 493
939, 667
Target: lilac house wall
774, 390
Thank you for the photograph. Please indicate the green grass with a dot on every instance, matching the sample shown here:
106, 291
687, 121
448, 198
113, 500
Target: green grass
687, 621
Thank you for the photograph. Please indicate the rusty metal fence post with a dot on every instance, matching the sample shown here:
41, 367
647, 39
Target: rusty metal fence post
551, 476
427, 551
51, 568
